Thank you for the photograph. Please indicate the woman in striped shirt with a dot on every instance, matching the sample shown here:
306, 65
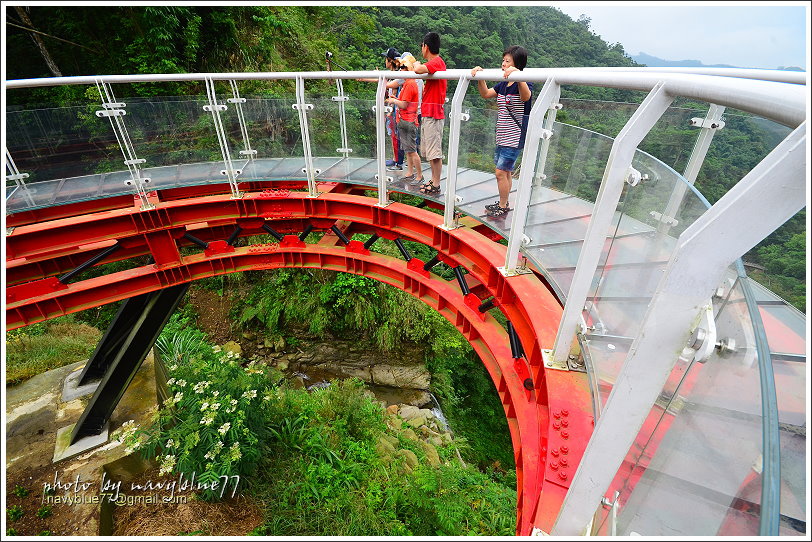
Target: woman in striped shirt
513, 99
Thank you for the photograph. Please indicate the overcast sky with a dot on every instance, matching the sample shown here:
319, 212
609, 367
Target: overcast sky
748, 36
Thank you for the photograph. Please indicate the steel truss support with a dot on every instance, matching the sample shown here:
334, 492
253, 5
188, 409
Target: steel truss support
115, 112
456, 117
114, 337
303, 108
614, 176
214, 108
345, 149
548, 96
134, 343
696, 268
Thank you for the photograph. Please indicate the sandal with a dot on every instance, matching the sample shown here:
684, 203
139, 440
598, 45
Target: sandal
415, 181
429, 189
499, 211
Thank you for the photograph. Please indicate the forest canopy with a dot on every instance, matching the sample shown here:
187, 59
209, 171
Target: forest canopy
47, 41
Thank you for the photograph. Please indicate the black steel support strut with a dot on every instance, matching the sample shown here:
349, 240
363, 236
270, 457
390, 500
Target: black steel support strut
135, 344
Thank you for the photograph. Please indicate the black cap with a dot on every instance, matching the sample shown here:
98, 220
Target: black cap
391, 54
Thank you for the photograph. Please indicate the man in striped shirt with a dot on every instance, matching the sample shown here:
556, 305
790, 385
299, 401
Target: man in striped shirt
513, 99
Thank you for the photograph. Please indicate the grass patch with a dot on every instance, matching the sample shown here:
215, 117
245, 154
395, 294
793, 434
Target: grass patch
41, 347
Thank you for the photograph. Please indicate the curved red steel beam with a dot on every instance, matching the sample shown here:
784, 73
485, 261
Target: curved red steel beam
549, 425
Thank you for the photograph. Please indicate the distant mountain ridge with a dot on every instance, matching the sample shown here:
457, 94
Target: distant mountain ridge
653, 61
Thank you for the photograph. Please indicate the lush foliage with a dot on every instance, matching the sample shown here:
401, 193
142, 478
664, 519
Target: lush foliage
310, 457
214, 421
41, 347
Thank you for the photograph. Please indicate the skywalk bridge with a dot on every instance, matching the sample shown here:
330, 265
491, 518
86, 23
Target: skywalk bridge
649, 385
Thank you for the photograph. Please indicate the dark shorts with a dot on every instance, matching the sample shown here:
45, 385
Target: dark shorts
407, 131
505, 157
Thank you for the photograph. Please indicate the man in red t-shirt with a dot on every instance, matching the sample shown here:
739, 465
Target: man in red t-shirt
431, 128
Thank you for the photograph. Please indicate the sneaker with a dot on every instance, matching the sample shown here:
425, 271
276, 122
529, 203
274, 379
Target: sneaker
499, 211
390, 162
415, 181
394, 167
495, 205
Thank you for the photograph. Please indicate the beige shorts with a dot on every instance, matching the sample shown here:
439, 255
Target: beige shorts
431, 138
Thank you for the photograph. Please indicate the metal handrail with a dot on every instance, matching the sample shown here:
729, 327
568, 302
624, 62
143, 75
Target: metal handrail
778, 101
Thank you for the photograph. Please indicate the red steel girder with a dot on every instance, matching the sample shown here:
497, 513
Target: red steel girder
530, 306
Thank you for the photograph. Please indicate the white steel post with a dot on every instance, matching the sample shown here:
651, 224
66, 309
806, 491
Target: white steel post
214, 108
617, 169
764, 199
115, 112
548, 96
237, 101
18, 178
549, 121
453, 154
708, 128
303, 108
380, 132
345, 149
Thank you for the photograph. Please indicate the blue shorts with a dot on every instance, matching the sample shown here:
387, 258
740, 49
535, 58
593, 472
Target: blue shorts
505, 157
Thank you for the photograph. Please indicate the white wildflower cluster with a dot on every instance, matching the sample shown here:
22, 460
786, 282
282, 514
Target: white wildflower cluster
173, 367
171, 443
217, 348
126, 433
208, 418
170, 382
211, 454
224, 428
167, 464
181, 383
235, 451
172, 401
200, 387
232, 406
250, 394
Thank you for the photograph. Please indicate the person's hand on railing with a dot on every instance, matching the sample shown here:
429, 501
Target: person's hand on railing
509, 70
475, 69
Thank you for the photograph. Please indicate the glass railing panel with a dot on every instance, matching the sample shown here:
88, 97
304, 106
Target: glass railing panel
273, 130
672, 138
784, 324
61, 143
701, 465
603, 117
649, 216
359, 166
476, 180
562, 198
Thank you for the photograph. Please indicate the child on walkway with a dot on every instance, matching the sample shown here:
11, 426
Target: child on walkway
513, 99
433, 116
407, 102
